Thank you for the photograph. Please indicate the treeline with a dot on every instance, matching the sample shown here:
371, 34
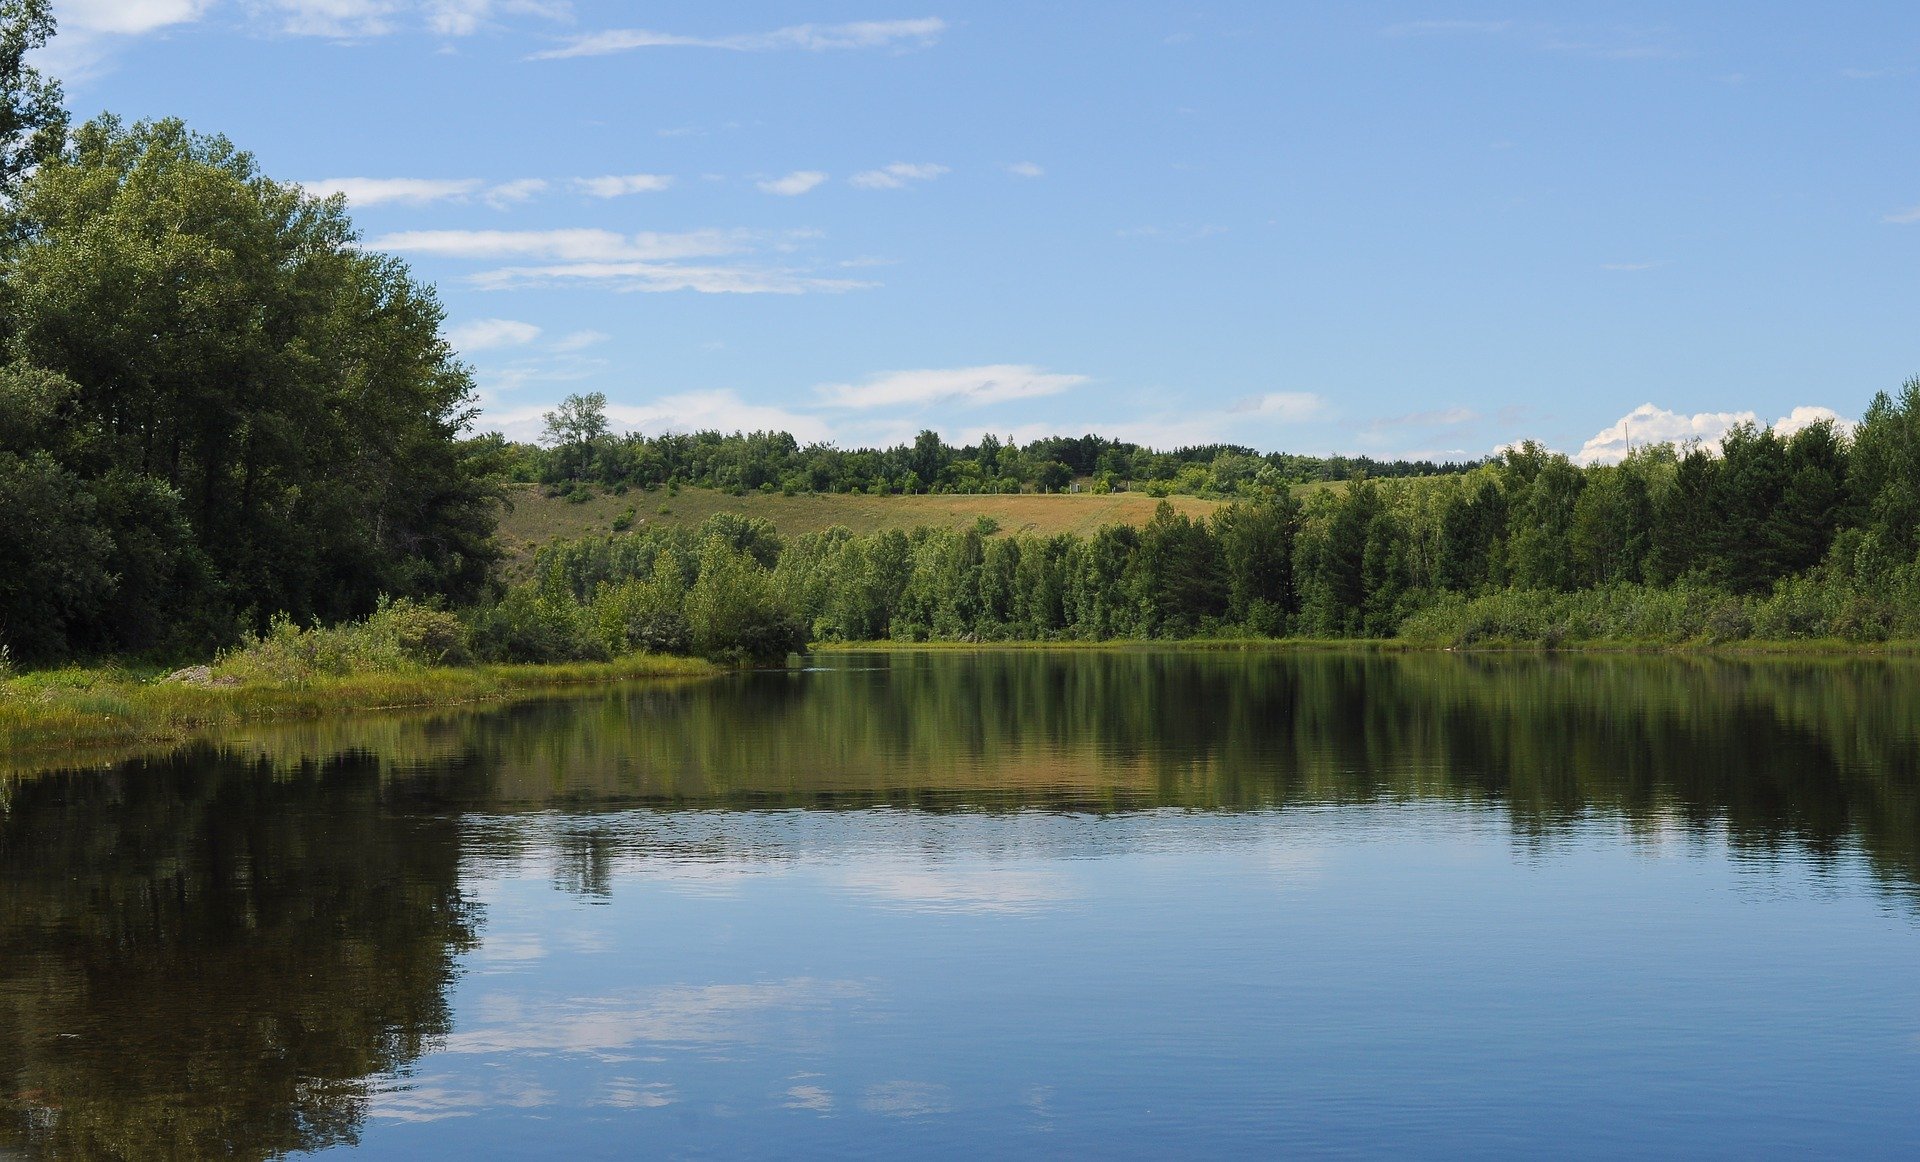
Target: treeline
1808, 536
579, 448
214, 405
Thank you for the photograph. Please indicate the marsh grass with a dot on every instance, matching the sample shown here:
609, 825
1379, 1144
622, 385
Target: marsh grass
81, 708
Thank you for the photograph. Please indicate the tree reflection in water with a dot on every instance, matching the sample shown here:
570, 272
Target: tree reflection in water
218, 951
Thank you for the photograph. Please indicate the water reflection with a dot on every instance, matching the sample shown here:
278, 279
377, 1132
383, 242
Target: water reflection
220, 951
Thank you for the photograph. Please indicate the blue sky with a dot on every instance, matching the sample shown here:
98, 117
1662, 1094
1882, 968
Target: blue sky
1391, 229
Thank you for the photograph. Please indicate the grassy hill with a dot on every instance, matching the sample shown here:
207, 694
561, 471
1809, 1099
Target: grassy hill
534, 519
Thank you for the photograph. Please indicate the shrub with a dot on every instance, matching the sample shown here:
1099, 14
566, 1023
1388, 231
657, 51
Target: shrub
645, 615
736, 613
532, 625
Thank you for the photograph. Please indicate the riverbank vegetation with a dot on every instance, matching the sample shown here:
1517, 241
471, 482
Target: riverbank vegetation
1802, 538
228, 431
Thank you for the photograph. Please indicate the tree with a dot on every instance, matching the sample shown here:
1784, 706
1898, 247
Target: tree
574, 431
33, 117
1256, 549
247, 372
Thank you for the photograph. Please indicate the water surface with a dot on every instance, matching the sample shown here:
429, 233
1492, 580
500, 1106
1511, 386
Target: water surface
1131, 904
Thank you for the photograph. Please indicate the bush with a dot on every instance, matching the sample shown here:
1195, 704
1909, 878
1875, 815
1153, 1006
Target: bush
645, 615
735, 611
398, 635
532, 625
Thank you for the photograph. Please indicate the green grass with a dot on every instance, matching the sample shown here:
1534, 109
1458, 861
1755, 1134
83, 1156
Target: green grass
535, 519
111, 706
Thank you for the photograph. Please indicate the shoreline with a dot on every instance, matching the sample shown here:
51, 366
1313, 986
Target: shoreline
1814, 648
80, 709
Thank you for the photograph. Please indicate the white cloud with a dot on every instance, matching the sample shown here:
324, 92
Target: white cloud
897, 175
803, 37
1026, 169
1648, 424
620, 185
333, 18
796, 183
514, 192
657, 277
412, 191
1282, 405
1906, 217
1804, 417
424, 191
126, 17
580, 340
466, 17
486, 334
1444, 418
972, 386
575, 245
619, 262
362, 18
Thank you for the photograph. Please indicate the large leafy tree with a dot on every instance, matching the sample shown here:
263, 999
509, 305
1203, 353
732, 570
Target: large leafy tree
238, 365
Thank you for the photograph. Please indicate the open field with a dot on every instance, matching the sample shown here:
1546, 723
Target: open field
535, 519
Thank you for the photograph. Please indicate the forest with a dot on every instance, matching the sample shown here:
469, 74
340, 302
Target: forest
226, 426
578, 448
1811, 536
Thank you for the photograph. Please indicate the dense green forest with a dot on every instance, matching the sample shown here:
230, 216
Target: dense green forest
1808, 536
580, 448
224, 422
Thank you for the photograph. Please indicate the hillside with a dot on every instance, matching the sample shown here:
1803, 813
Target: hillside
534, 519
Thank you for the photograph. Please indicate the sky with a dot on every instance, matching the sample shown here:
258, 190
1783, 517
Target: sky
1392, 229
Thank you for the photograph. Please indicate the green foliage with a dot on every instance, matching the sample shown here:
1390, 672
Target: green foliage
736, 611
537, 625
216, 402
399, 635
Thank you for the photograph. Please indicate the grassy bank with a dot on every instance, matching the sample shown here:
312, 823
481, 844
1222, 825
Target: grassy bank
78, 708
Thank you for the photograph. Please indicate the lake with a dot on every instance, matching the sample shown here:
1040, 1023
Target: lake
996, 903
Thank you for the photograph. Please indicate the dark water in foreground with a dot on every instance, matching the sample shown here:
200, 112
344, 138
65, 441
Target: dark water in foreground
1116, 905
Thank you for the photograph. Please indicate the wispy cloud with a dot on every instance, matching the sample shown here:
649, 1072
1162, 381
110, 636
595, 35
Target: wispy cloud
1648, 424
355, 19
571, 245
467, 17
581, 340
413, 191
1906, 217
514, 192
970, 386
897, 176
620, 185
1282, 405
659, 277
1443, 418
801, 37
608, 260
794, 184
489, 334
127, 17
1026, 169
424, 191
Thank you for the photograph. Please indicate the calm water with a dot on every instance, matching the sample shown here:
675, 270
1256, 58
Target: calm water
1004, 904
